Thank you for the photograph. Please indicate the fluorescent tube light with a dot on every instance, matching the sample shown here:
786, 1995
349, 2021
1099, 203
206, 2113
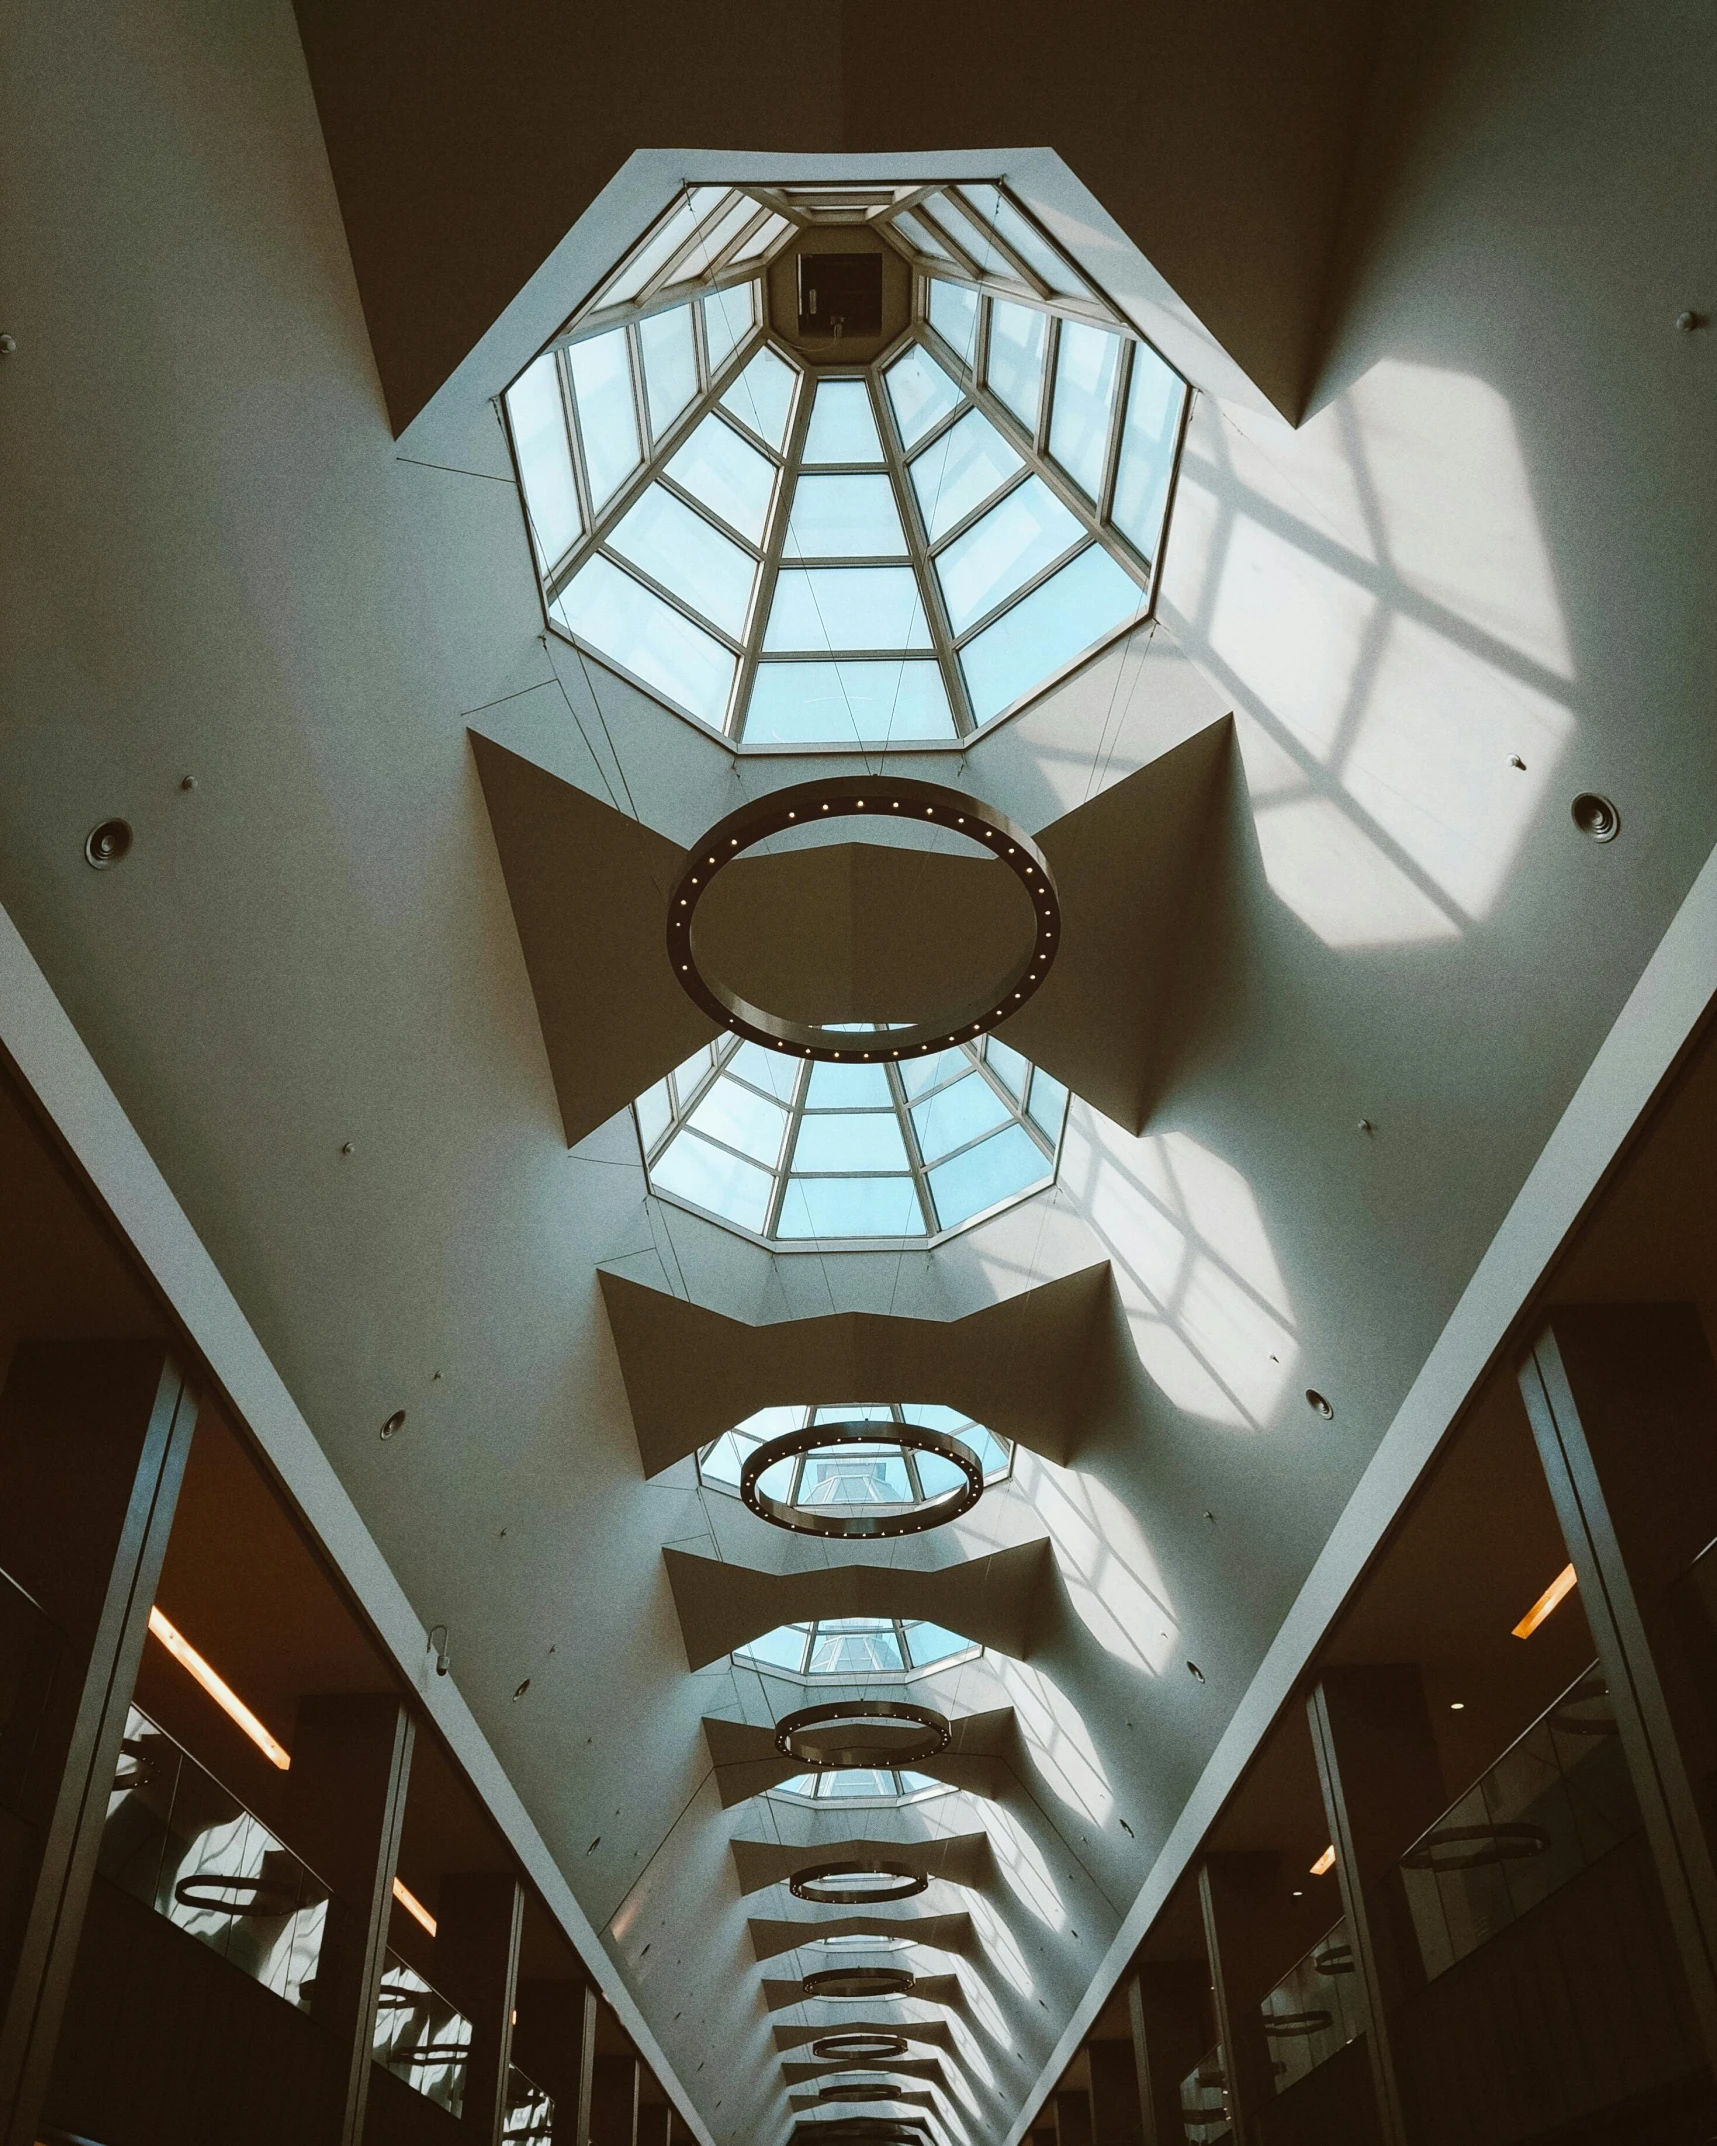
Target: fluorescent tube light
1563, 1584
1325, 1862
221, 1693
413, 1906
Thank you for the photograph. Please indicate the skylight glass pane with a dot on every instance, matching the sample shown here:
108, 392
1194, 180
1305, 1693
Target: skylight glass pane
920, 394
960, 470
850, 1140
972, 242
954, 316
854, 1646
957, 1114
842, 1087
851, 1207
1048, 1103
853, 1412
621, 618
673, 233
720, 233
670, 365
920, 1075
677, 547
843, 424
711, 1178
607, 418
830, 703
1072, 611
774, 1072
845, 518
1085, 363
545, 459
762, 239
690, 1072
918, 233
1017, 538
996, 1170
1154, 398
742, 1119
728, 474
784, 1648
762, 397
1025, 239
934, 1643
1014, 367
1007, 1065
857, 1477
654, 1112
845, 608
728, 317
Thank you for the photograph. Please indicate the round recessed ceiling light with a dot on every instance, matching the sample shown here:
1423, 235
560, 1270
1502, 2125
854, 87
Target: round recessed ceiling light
861, 1732
857, 2046
859, 1982
1317, 1404
1595, 816
106, 843
852, 798
856, 1523
856, 1882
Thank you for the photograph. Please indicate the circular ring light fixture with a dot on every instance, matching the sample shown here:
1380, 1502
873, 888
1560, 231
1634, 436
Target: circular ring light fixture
859, 1525
821, 1883
860, 2090
860, 1982
808, 804
795, 1736
859, 2046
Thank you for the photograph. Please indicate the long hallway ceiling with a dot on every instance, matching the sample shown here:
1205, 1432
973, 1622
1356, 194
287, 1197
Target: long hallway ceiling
1395, 643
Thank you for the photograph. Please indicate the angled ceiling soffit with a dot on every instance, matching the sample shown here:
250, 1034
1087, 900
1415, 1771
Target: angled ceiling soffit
957, 1858
946, 1933
1026, 1366
978, 1758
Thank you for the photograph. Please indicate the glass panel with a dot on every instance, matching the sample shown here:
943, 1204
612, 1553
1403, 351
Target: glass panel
1068, 614
954, 316
710, 1177
620, 618
654, 1113
934, 1643
850, 1646
722, 1462
1085, 364
677, 547
728, 317
1154, 398
920, 1075
1032, 248
743, 1119
1048, 1104
671, 235
995, 1170
815, 703
527, 2118
545, 459
857, 1475
1204, 2101
728, 475
920, 394
957, 1114
845, 518
784, 1648
844, 1785
849, 1140
691, 1071
607, 417
860, 1087
762, 239
762, 397
851, 1207
846, 607
420, 2038
670, 365
1315, 2010
1018, 538
1014, 368
959, 471
726, 227
778, 1076
1007, 1065
989, 260
918, 233
843, 424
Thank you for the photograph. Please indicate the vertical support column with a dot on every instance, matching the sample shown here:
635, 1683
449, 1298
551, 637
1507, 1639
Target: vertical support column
1072, 2106
614, 2102
351, 1761
548, 2044
1623, 1405
1167, 2001
586, 2068
1382, 1786
93, 1441
481, 1918
1242, 1902
1115, 2095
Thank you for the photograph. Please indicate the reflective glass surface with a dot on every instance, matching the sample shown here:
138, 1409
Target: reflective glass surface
1156, 397
728, 475
676, 547
670, 365
728, 317
846, 517
1085, 363
762, 397
959, 471
856, 1649
601, 372
1014, 541
644, 635
872, 703
954, 316
920, 394
843, 425
1018, 338
841, 608
538, 418
1061, 618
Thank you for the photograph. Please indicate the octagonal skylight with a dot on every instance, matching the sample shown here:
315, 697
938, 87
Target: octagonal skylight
796, 547
811, 1153
856, 1649
882, 1477
871, 1787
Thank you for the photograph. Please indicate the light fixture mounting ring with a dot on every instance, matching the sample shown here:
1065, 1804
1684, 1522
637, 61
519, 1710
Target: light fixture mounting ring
859, 1525
860, 1982
893, 798
858, 2046
819, 1882
795, 1736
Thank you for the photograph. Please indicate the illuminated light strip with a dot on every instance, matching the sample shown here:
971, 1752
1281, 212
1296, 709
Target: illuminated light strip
1325, 1862
221, 1693
413, 1906
1561, 1586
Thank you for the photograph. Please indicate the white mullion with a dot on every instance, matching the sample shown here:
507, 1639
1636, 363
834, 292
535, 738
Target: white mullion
580, 475
795, 1114
956, 530
683, 605
918, 542
1026, 588
1022, 268
1046, 387
1117, 425
775, 538
707, 513
914, 1155
664, 277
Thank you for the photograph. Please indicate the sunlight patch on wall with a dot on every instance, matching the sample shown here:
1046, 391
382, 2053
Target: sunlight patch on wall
1339, 883
1001, 1948
1105, 1564
1292, 629
1053, 1730
1023, 1869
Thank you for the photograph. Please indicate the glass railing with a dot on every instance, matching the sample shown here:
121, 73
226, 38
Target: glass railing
1558, 1799
528, 2119
30, 1649
178, 1841
420, 2037
1314, 2011
1204, 2113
